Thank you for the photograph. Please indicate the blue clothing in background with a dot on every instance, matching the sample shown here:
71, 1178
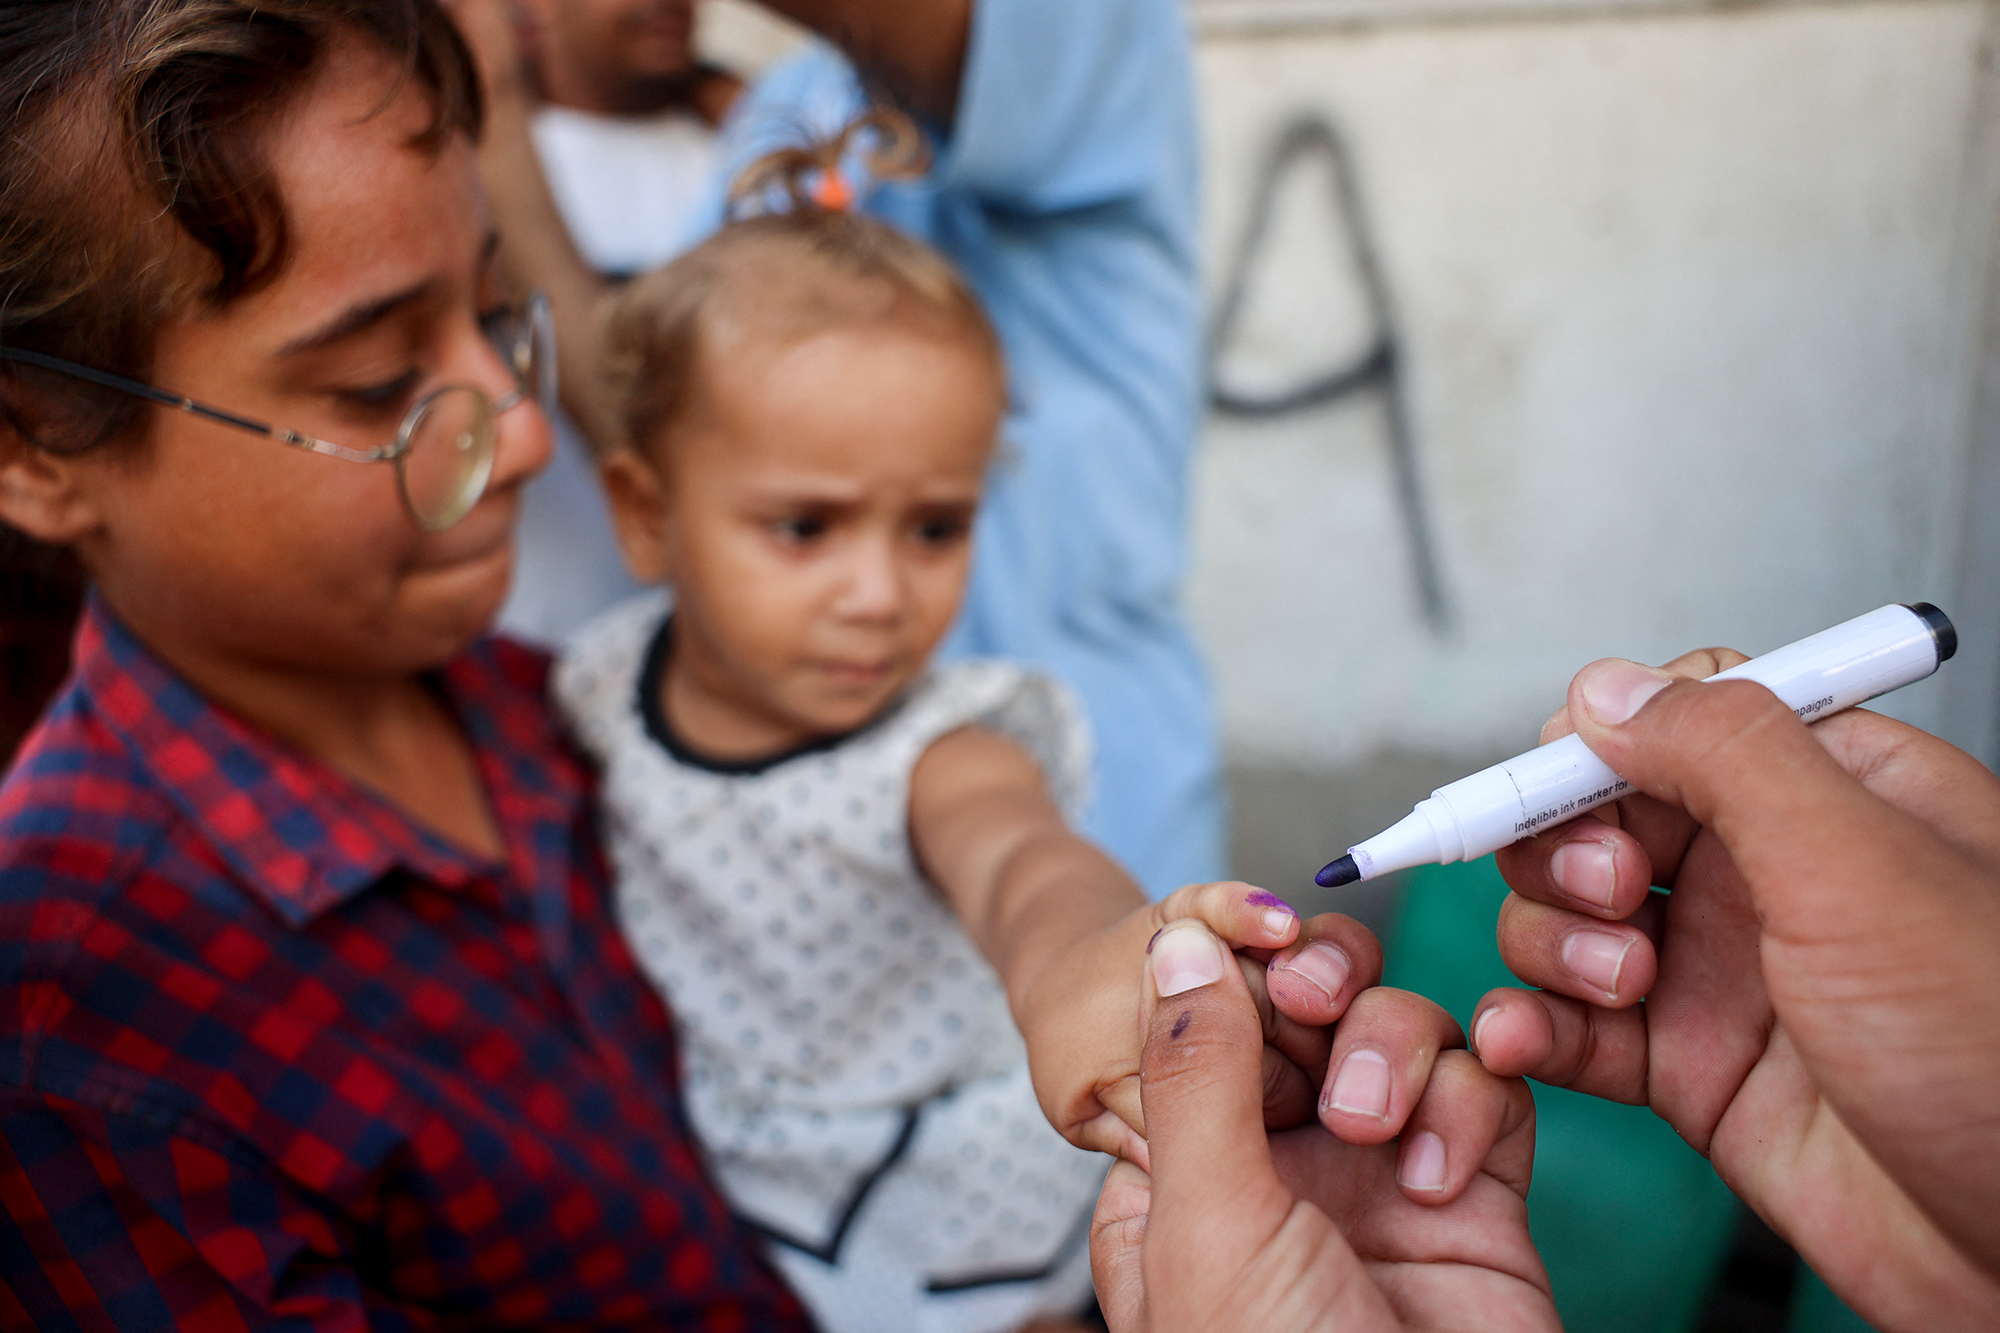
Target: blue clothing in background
1066, 192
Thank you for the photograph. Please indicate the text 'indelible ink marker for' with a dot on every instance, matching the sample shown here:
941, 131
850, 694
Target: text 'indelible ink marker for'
1816, 677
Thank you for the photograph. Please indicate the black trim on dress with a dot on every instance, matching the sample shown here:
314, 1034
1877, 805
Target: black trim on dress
829, 1253
653, 712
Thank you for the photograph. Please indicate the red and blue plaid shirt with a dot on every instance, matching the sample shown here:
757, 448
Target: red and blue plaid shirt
271, 1055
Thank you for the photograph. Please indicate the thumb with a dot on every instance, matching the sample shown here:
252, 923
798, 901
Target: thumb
1226, 1245
1216, 1196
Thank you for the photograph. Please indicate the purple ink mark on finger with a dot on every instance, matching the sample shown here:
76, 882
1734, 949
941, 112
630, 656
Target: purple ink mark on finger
1181, 1023
1156, 936
1259, 898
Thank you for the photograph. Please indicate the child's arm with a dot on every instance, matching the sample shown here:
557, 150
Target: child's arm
1065, 928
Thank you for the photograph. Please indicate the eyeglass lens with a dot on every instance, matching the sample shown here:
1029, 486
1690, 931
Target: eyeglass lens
525, 337
452, 441
534, 355
444, 470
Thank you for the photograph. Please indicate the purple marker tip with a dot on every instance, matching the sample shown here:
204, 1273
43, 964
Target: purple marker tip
1336, 873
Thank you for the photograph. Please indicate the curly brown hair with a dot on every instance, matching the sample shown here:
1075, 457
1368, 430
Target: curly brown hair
803, 267
132, 179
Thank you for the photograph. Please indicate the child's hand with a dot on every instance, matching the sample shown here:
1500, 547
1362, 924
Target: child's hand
1087, 1012
1066, 929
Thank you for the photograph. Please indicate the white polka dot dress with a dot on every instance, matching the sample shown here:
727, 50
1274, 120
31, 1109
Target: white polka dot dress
850, 1065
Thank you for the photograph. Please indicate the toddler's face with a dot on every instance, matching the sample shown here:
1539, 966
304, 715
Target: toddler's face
815, 521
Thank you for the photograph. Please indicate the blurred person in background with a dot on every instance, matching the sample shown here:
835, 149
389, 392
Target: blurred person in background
624, 129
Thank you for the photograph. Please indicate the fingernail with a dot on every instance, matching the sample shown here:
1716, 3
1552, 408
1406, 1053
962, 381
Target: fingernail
1479, 1025
1278, 915
1597, 958
1586, 871
1423, 1163
1322, 966
1362, 1085
1614, 690
1184, 956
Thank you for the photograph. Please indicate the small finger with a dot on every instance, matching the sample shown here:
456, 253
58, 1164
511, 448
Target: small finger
1107, 1132
1468, 1121
1314, 979
1243, 915
1294, 1054
1117, 1244
1383, 1051
1291, 1094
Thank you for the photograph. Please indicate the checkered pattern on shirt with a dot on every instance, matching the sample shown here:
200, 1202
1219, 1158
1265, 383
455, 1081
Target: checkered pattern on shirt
273, 1056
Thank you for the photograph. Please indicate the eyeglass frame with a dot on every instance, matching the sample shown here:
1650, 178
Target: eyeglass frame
536, 321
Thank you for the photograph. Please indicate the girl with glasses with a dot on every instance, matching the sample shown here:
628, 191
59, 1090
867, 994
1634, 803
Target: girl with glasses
311, 1012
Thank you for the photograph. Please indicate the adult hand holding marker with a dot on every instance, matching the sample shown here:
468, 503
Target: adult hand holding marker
1816, 677
1820, 1011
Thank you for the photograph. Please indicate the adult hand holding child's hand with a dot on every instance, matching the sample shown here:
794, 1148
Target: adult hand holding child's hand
1328, 961
1065, 928
1237, 1229
1087, 1016
1819, 1015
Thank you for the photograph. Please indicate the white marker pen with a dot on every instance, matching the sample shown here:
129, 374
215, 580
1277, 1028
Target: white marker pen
1815, 677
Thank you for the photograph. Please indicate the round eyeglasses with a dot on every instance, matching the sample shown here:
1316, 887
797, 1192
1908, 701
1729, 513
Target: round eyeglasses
443, 450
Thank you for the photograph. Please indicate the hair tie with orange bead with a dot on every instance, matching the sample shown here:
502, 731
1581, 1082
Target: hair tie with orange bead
815, 177
831, 191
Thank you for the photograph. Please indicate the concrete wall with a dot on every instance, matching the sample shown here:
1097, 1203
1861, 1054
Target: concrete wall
1687, 303
1685, 354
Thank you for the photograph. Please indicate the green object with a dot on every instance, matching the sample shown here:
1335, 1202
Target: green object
1632, 1223
1815, 1309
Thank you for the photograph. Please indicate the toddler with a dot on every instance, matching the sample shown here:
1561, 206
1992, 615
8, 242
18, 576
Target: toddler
825, 846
